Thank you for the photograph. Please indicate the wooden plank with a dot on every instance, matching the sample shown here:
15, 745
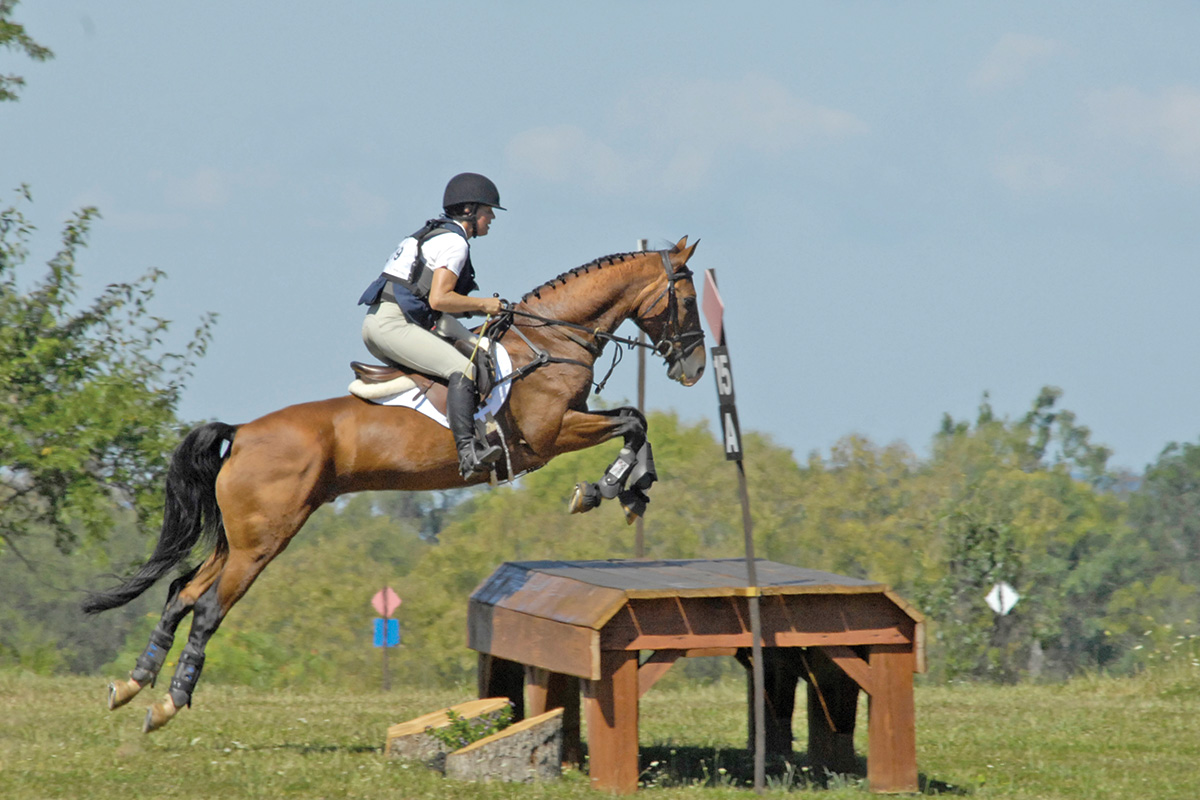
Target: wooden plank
705, 652
611, 709
919, 633
655, 667
891, 720
787, 621
563, 600
570, 649
784, 639
852, 665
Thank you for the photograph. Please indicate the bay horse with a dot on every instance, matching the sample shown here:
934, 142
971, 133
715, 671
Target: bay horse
249, 489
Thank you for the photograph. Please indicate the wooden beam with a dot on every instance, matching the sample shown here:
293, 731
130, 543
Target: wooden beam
569, 649
682, 623
891, 732
611, 709
852, 665
887, 636
655, 667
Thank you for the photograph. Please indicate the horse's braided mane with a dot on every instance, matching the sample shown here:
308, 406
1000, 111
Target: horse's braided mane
599, 263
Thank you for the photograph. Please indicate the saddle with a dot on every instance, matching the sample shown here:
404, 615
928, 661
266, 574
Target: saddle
391, 384
381, 380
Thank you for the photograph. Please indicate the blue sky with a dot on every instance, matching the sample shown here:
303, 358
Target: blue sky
906, 204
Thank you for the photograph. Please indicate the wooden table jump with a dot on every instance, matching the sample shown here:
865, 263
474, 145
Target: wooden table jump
540, 625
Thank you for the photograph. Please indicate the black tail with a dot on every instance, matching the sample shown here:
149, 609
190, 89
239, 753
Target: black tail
190, 512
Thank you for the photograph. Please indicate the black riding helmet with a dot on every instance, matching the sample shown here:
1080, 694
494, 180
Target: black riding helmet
470, 188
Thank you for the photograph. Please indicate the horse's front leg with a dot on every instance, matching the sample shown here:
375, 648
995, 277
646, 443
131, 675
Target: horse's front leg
629, 476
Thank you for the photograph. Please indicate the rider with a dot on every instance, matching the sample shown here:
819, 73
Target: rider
430, 274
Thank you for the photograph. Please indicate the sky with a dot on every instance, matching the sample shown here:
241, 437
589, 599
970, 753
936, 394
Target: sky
907, 205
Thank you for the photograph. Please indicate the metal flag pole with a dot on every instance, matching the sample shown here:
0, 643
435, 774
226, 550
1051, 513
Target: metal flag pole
387, 678
714, 311
639, 546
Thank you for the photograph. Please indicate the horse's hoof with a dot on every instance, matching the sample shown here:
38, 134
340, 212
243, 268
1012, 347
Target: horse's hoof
633, 503
121, 692
585, 497
159, 714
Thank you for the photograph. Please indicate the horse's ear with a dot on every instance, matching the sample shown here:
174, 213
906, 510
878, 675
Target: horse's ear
688, 253
682, 243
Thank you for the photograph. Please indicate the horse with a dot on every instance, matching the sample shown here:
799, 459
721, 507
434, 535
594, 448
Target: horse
246, 490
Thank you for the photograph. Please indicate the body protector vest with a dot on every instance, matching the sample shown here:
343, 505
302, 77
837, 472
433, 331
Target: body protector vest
412, 295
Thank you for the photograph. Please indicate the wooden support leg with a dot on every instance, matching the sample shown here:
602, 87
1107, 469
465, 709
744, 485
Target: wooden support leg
550, 690
891, 740
832, 706
498, 677
611, 704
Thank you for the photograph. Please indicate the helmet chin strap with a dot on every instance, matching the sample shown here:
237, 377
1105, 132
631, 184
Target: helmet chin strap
470, 221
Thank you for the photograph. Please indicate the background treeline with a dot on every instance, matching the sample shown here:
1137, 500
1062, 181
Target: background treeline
1105, 564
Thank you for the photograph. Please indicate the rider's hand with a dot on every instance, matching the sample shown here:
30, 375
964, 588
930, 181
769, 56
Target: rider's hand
490, 305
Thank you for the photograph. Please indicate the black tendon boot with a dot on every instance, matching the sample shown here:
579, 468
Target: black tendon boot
473, 456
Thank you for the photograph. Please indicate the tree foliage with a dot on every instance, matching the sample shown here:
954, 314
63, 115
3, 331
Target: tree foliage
14, 37
87, 393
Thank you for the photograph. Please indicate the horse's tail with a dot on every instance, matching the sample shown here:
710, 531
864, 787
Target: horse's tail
190, 512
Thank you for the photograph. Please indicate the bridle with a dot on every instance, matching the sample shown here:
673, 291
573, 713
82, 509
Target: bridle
673, 345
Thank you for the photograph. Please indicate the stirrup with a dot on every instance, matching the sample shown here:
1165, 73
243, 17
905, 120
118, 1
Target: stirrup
478, 459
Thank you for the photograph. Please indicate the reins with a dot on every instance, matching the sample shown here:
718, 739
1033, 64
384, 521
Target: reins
671, 341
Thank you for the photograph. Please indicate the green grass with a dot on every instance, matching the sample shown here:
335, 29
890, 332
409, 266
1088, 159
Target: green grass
1091, 738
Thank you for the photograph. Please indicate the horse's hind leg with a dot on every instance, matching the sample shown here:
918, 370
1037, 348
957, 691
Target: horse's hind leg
179, 604
241, 567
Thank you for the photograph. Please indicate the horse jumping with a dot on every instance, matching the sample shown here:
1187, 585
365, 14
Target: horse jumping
250, 488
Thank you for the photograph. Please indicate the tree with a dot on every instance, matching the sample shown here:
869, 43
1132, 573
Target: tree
13, 37
87, 395
1023, 503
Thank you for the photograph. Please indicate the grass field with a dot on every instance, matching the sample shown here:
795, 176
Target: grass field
1091, 738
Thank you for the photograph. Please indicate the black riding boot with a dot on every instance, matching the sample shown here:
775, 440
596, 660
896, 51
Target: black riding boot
474, 456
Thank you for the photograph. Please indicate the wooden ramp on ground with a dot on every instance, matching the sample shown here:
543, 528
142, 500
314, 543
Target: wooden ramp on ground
560, 626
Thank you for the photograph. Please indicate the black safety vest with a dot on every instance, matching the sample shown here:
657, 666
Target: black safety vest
412, 295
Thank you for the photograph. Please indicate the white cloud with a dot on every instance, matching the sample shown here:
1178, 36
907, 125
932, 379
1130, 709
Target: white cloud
1167, 123
1012, 60
673, 133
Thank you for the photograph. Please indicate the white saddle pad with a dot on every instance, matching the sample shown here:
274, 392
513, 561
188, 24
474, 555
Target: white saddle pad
403, 392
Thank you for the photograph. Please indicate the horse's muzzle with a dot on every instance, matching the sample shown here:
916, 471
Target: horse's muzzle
687, 370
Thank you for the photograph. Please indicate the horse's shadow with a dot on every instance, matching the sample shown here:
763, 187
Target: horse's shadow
681, 765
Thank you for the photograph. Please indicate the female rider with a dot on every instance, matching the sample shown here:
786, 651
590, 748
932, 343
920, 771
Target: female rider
430, 274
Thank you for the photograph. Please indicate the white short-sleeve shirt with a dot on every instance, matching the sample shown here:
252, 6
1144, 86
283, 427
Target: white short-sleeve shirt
446, 250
